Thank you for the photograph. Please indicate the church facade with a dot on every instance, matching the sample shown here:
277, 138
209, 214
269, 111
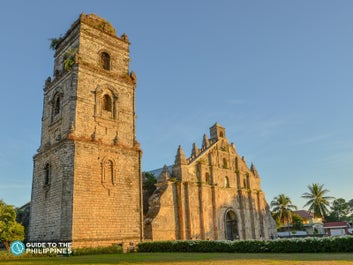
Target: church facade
213, 194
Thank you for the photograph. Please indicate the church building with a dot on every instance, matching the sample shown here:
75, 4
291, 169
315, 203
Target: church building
87, 176
213, 194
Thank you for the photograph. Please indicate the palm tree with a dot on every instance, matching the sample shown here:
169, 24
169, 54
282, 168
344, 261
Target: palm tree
283, 209
317, 201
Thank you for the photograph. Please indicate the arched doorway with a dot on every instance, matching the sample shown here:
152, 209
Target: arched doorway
231, 226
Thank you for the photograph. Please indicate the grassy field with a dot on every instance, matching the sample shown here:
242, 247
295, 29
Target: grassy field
189, 258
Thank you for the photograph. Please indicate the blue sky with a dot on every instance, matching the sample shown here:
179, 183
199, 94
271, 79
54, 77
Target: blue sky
276, 74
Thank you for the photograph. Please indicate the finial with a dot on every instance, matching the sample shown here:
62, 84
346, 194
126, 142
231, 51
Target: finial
47, 82
205, 142
253, 169
164, 176
180, 158
133, 77
195, 150
124, 37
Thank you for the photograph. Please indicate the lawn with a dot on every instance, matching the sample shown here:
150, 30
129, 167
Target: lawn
190, 258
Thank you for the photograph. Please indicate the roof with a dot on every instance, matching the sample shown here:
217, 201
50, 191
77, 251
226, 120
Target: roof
336, 225
27, 205
304, 214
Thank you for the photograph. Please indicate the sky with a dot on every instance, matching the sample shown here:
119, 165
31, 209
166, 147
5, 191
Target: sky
276, 74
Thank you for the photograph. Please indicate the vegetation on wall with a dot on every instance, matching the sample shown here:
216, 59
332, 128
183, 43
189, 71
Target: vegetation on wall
54, 42
69, 59
107, 27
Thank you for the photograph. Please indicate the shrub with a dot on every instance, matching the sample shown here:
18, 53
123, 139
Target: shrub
308, 245
97, 250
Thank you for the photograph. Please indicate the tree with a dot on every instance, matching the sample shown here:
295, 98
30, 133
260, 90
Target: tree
350, 203
10, 230
149, 187
23, 217
317, 201
282, 209
340, 209
350, 206
297, 222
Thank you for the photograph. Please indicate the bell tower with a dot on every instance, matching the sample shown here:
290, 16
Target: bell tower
87, 172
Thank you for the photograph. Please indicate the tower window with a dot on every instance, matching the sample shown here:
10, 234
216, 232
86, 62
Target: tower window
57, 106
47, 174
105, 61
107, 103
108, 176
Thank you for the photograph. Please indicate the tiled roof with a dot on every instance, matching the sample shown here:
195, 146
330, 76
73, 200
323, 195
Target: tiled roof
304, 214
335, 224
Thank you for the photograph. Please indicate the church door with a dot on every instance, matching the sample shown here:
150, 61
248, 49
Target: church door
231, 226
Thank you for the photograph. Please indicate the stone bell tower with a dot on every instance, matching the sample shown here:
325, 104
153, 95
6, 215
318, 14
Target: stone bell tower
87, 172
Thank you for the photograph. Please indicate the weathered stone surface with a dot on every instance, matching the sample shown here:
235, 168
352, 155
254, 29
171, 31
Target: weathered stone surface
87, 181
91, 194
212, 195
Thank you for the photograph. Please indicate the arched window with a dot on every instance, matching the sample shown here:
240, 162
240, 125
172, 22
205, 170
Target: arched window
108, 176
107, 103
105, 61
47, 174
226, 182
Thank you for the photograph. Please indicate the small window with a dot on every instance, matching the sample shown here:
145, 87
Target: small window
105, 61
47, 174
107, 103
57, 106
226, 182
247, 181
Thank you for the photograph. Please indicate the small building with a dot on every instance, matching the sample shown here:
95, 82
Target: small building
336, 228
312, 225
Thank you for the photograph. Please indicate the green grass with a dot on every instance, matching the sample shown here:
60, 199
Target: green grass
188, 258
